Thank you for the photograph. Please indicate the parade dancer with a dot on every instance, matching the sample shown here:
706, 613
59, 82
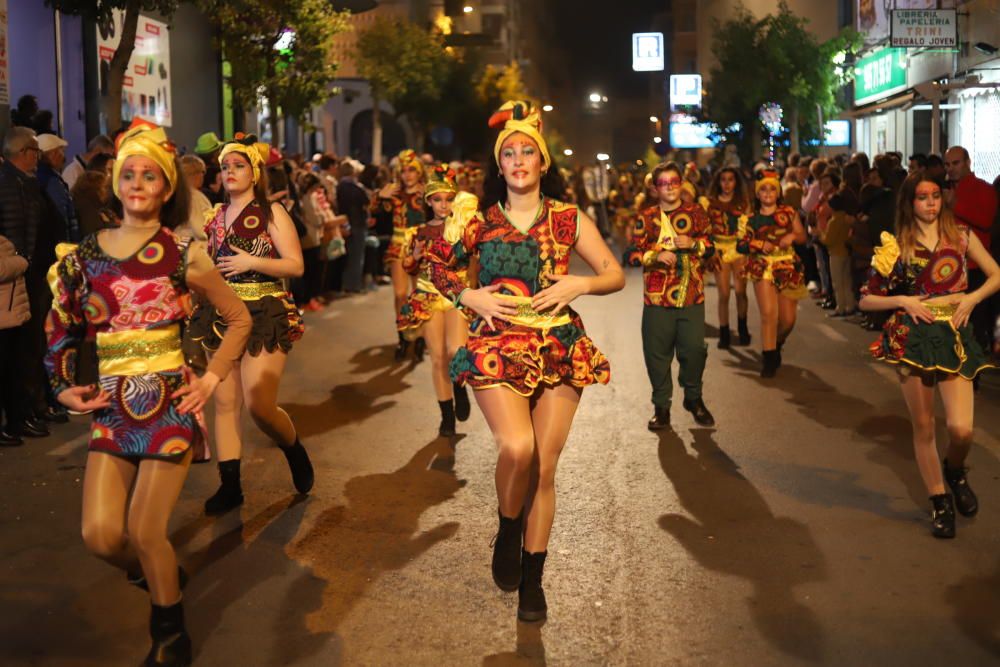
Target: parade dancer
255, 246
672, 243
426, 312
767, 236
124, 286
921, 274
528, 356
406, 202
727, 201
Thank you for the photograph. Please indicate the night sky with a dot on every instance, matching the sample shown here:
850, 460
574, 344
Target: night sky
597, 39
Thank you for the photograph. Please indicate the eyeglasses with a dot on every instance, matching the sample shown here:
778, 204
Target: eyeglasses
668, 183
31, 148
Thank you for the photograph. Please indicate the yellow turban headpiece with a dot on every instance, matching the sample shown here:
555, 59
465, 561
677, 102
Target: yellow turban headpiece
688, 186
148, 140
441, 179
248, 146
409, 158
517, 116
767, 177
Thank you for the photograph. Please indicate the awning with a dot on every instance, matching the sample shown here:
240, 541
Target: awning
883, 105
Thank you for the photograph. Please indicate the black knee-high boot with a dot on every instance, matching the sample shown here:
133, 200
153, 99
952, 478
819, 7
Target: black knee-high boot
171, 644
447, 427
531, 604
300, 465
462, 406
230, 494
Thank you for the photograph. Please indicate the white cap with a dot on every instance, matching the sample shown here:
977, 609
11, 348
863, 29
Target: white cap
50, 142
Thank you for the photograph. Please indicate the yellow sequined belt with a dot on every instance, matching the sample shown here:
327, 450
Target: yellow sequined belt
942, 312
725, 246
529, 317
139, 351
399, 236
255, 291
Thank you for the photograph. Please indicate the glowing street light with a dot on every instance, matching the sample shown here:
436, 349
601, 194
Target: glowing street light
567, 152
654, 119
657, 140
548, 107
603, 157
595, 97
468, 9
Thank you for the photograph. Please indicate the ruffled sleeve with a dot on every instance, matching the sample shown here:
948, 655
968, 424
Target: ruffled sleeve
885, 272
65, 325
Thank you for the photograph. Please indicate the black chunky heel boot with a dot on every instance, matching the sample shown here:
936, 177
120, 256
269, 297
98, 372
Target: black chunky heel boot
401, 348
743, 330
447, 427
462, 406
300, 465
725, 337
943, 516
965, 499
171, 644
531, 605
507, 553
230, 494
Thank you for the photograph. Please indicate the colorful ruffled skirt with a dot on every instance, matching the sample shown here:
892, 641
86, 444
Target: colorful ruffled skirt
420, 306
523, 358
937, 346
276, 323
785, 271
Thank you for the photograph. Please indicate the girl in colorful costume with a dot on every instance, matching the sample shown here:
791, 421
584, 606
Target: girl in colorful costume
921, 274
767, 237
125, 286
528, 356
255, 246
728, 200
426, 312
407, 206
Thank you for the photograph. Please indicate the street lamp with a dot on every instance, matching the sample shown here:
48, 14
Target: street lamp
595, 97
567, 152
654, 119
468, 9
548, 107
603, 157
657, 140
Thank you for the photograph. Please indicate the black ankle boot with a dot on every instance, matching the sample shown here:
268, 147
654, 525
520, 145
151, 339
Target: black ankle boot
300, 465
744, 332
530, 596
660, 419
943, 516
724, 337
230, 494
419, 347
771, 363
462, 406
507, 553
171, 644
402, 348
447, 427
965, 500
139, 579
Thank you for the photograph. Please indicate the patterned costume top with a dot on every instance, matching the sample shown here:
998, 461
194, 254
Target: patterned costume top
939, 345
929, 273
277, 323
682, 284
407, 212
248, 233
133, 307
530, 348
724, 220
425, 300
781, 266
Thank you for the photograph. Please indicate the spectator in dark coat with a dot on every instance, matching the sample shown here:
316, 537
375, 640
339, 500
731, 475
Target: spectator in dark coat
353, 202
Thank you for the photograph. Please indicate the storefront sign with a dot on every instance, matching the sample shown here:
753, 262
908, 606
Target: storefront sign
647, 51
4, 65
685, 91
146, 92
924, 28
879, 75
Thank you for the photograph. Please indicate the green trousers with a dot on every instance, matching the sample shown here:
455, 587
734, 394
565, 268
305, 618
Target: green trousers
669, 331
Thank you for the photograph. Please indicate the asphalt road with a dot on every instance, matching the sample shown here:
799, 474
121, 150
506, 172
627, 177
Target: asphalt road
793, 533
